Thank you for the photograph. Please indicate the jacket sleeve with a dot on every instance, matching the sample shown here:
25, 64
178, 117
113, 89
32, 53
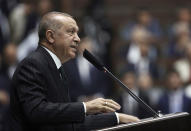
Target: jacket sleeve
30, 90
98, 121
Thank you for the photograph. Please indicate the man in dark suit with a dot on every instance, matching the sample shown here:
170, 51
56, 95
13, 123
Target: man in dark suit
39, 98
174, 98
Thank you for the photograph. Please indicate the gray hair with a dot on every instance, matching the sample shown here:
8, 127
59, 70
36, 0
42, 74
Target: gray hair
49, 22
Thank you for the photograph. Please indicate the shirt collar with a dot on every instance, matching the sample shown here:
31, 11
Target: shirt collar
54, 57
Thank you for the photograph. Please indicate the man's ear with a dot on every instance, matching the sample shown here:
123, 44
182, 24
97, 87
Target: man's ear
50, 36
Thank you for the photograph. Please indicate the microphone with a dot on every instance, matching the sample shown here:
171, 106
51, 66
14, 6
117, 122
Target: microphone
101, 67
93, 60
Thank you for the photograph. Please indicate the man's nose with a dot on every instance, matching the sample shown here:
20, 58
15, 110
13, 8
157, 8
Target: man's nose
77, 38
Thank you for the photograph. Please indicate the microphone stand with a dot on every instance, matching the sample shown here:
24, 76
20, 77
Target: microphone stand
140, 101
100, 66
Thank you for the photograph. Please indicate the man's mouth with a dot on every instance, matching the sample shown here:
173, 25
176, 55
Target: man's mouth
74, 47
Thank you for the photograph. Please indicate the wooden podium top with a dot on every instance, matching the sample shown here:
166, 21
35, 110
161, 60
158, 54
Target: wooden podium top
150, 121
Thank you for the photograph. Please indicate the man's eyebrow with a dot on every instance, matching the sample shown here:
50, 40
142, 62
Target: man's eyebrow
76, 29
73, 27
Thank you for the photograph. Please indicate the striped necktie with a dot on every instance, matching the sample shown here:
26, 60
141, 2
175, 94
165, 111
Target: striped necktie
62, 72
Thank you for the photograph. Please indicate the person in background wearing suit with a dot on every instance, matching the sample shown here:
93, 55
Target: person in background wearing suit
40, 99
174, 99
129, 105
91, 82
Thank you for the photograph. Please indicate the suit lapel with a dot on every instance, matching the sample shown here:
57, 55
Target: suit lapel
51, 65
60, 84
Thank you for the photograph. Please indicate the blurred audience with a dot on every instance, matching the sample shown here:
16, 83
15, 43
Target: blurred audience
174, 98
22, 20
30, 42
85, 81
7, 69
141, 53
176, 47
96, 26
128, 103
183, 65
182, 24
145, 83
4, 30
144, 19
9, 60
7, 5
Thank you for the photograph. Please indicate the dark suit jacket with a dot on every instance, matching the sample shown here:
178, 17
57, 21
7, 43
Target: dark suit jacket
164, 102
153, 67
40, 101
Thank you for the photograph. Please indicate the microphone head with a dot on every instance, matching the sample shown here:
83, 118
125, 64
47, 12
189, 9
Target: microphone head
93, 60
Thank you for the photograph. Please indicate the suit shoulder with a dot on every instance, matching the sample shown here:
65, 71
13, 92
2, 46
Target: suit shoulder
34, 58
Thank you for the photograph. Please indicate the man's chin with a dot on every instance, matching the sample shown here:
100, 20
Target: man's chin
69, 58
72, 55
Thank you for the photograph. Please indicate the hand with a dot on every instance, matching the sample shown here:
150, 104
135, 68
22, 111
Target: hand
101, 105
124, 118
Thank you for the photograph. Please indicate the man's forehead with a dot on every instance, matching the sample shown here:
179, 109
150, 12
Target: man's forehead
67, 21
62, 17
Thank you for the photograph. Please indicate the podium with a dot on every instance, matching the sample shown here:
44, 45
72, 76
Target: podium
170, 122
